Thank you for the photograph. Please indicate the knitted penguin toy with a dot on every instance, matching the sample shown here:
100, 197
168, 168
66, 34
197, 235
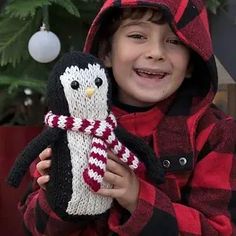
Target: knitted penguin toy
80, 128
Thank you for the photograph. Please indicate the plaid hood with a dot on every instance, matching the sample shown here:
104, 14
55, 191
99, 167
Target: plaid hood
188, 18
184, 111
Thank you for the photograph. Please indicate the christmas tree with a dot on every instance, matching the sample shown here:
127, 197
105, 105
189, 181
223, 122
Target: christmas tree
22, 79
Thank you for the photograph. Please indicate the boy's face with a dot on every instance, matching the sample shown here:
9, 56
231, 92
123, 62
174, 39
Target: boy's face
148, 61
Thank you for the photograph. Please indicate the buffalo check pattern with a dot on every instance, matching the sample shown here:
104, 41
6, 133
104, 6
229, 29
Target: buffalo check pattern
195, 141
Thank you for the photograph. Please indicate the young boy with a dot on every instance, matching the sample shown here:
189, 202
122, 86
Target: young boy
162, 67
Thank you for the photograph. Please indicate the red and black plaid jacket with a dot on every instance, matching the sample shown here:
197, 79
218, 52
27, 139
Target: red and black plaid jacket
195, 141
198, 193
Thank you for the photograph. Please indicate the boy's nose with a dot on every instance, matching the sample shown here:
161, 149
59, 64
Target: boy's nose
155, 51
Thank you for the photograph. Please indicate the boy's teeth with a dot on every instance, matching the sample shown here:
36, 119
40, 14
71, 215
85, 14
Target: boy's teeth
149, 73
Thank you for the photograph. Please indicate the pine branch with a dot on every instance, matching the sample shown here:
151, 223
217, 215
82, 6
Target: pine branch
14, 83
14, 36
27, 74
27, 8
68, 5
23, 9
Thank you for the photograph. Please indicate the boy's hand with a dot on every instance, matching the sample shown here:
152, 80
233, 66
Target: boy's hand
125, 183
43, 166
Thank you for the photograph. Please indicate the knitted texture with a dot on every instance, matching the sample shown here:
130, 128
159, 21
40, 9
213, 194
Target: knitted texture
103, 138
79, 86
85, 93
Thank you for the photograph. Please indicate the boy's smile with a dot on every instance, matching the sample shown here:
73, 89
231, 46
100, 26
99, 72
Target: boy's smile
151, 73
148, 61
149, 78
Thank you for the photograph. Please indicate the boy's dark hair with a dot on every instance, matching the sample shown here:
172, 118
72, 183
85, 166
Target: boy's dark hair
112, 20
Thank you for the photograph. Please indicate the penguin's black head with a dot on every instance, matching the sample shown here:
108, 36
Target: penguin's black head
68, 81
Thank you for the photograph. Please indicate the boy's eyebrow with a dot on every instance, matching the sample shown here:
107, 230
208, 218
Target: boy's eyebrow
133, 23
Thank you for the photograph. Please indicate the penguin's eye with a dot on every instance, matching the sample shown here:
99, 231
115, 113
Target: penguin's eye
98, 82
74, 84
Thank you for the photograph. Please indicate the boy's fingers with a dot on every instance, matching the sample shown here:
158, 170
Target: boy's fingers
45, 154
113, 157
116, 167
113, 179
42, 181
114, 193
43, 166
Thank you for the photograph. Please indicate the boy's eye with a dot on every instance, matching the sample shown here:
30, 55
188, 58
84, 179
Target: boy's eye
74, 84
98, 82
174, 41
136, 36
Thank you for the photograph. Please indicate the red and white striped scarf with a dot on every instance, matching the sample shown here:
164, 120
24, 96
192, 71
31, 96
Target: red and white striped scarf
103, 139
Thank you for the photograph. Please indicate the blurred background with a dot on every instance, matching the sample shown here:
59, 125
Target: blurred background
23, 77
26, 26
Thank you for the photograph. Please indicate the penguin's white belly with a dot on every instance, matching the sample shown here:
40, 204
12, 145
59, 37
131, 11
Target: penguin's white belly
83, 201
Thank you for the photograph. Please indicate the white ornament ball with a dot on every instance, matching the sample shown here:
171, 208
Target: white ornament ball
44, 46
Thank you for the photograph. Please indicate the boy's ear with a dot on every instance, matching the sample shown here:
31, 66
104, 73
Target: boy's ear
104, 54
107, 60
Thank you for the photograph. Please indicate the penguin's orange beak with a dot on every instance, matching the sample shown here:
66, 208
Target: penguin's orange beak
89, 91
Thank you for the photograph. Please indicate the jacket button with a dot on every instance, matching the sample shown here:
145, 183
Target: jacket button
166, 163
182, 161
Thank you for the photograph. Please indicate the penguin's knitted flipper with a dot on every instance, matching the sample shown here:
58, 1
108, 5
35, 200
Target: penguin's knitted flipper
30, 153
144, 152
97, 161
